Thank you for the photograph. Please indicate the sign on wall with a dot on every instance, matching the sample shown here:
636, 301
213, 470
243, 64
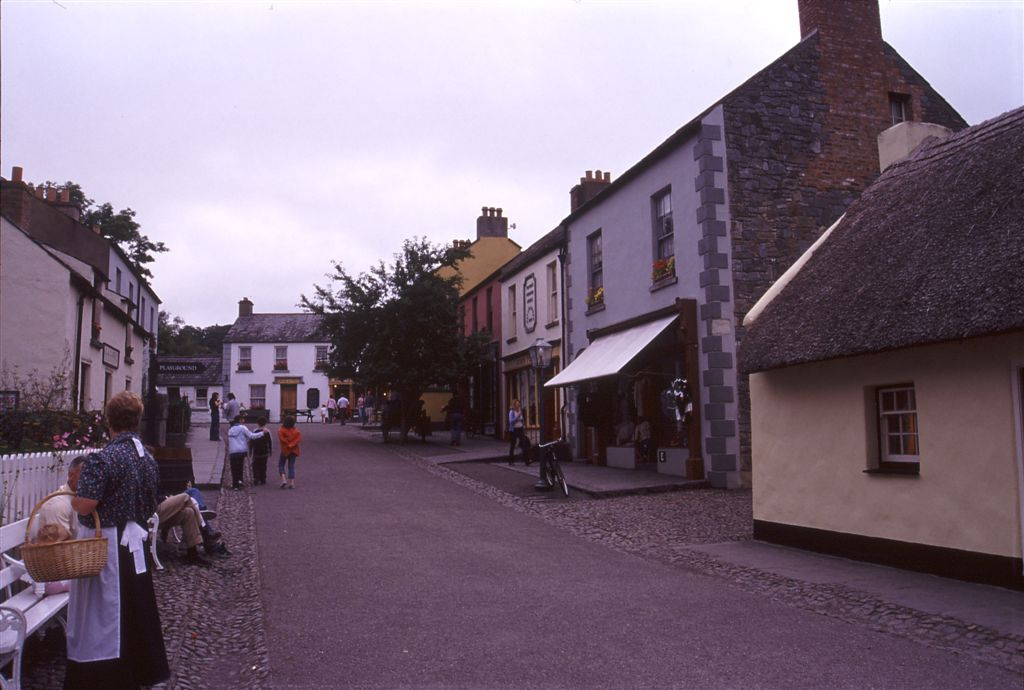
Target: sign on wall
530, 303
111, 356
178, 368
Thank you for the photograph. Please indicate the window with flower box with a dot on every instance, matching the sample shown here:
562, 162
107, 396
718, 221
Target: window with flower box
664, 235
245, 358
595, 266
280, 358
321, 358
257, 396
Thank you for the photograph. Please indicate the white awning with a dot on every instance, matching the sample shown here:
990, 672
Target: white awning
611, 353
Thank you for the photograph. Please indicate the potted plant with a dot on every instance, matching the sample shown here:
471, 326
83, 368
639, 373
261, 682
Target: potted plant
663, 268
595, 296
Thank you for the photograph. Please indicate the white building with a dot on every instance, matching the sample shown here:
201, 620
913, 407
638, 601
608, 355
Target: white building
531, 305
194, 378
70, 304
276, 362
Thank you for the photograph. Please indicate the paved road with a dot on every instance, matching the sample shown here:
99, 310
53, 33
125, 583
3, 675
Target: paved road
377, 573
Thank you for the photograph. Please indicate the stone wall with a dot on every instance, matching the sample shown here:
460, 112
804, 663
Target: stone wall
801, 143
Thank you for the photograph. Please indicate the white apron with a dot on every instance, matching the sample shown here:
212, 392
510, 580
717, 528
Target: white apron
94, 610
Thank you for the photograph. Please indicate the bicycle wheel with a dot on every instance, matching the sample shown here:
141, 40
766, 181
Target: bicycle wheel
560, 479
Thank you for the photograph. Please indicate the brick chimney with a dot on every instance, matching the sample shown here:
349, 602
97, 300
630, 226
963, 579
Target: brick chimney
63, 203
836, 19
491, 223
244, 307
860, 83
16, 199
589, 187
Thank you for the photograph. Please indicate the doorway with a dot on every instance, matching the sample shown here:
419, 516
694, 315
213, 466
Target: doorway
289, 398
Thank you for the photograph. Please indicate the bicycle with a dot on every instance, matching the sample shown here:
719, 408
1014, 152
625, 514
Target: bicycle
550, 466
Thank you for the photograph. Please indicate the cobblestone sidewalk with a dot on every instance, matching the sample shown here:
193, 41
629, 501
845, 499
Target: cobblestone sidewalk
212, 617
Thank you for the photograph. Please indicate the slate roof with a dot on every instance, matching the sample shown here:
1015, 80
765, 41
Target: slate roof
276, 328
192, 370
933, 251
545, 244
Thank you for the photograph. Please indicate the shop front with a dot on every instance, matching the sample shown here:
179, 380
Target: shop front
636, 394
526, 383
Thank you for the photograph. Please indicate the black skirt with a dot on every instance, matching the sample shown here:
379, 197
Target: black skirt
143, 659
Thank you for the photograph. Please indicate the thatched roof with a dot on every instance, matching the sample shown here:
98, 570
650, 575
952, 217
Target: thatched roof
276, 328
933, 251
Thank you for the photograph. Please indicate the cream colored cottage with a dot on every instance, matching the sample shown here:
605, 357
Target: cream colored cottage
887, 369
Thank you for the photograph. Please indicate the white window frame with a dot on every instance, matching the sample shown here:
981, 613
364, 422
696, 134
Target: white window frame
595, 261
322, 356
280, 358
513, 313
552, 293
245, 357
898, 404
664, 229
257, 396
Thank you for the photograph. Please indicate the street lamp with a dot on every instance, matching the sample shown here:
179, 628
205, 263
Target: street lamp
540, 358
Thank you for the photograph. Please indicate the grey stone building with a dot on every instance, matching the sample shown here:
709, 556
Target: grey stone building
664, 262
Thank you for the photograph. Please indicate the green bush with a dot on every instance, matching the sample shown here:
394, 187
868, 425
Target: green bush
32, 432
179, 417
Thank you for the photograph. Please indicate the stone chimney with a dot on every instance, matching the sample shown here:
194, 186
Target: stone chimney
491, 223
900, 141
244, 307
589, 187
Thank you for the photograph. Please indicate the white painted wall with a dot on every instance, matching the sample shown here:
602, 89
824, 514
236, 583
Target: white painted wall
301, 362
37, 305
811, 445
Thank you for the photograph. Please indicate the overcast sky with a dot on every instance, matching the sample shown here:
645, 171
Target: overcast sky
262, 140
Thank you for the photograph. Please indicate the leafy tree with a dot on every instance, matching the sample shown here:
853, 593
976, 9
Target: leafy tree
394, 328
120, 227
178, 338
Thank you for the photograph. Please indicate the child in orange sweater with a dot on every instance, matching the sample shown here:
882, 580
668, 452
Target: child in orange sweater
290, 438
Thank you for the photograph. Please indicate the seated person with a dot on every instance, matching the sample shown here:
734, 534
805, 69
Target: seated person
181, 510
56, 518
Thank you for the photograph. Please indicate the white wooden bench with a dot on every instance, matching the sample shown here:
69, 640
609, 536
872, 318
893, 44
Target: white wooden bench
33, 611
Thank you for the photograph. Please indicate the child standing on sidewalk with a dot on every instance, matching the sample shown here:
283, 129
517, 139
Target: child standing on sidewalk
261, 449
290, 438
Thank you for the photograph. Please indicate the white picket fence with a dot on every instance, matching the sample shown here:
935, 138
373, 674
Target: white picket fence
26, 478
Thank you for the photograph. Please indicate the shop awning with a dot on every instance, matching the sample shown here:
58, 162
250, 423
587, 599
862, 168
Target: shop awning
611, 353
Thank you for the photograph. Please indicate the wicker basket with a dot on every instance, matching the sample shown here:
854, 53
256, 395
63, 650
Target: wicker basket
64, 560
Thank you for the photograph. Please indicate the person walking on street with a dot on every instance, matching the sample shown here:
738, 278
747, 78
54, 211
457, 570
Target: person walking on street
215, 417
332, 408
239, 436
455, 417
361, 409
517, 430
343, 405
290, 438
261, 449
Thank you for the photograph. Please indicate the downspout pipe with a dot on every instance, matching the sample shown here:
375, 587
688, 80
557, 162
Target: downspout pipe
76, 382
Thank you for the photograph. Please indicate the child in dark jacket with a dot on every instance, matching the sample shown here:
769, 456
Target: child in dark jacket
261, 449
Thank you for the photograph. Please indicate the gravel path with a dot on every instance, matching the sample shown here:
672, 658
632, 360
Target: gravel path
213, 625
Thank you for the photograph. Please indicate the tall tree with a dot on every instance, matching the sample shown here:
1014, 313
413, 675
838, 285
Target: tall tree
120, 227
179, 338
394, 328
